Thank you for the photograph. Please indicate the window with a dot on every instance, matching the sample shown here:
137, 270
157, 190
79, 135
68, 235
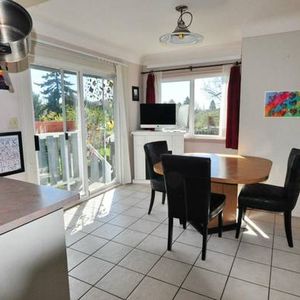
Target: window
200, 103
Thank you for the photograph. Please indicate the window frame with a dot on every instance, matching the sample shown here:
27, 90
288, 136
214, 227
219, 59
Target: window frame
190, 133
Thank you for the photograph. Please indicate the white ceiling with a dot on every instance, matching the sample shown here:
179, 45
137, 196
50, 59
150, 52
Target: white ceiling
130, 29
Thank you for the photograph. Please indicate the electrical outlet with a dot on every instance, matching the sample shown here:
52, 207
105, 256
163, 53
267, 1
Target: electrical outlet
13, 123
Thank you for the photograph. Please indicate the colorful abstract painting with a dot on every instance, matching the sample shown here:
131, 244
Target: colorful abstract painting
282, 104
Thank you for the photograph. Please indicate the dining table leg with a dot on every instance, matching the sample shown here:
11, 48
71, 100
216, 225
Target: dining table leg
229, 212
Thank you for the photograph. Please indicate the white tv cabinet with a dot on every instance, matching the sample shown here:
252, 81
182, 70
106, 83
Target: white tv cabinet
175, 140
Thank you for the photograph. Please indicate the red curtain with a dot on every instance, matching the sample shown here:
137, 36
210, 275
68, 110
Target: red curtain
233, 108
150, 92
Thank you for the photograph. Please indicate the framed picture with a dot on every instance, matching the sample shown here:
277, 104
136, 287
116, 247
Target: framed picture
135, 93
282, 104
11, 153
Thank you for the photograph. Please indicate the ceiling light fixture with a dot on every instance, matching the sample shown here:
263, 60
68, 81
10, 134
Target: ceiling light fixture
181, 35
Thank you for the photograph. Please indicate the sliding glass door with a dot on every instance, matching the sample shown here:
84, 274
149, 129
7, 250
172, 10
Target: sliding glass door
100, 135
55, 103
74, 153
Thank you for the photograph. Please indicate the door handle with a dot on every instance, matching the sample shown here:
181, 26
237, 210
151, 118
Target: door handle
36, 143
66, 136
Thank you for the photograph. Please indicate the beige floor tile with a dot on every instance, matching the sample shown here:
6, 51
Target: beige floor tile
190, 237
119, 207
74, 258
251, 271
77, 288
113, 252
123, 220
144, 226
106, 217
108, 231
95, 294
139, 261
285, 281
257, 239
154, 245
276, 295
91, 270
73, 236
130, 237
217, 262
156, 216
120, 281
226, 246
280, 243
280, 220
187, 295
260, 226
135, 212
88, 226
152, 289
89, 244
184, 253
255, 253
260, 215
205, 282
238, 289
280, 231
286, 260
162, 231
170, 271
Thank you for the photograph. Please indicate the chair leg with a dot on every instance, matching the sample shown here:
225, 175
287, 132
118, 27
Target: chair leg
204, 242
163, 198
239, 223
151, 201
288, 227
183, 223
220, 224
170, 234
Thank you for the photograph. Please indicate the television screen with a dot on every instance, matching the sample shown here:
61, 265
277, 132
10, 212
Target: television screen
157, 115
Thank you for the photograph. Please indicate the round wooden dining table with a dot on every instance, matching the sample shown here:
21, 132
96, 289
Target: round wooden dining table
227, 172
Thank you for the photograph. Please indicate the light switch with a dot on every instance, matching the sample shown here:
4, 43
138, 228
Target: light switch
13, 123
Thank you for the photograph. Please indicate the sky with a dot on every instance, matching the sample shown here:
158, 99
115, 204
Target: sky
179, 90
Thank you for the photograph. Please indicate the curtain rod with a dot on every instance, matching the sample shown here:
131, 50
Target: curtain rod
45, 43
192, 67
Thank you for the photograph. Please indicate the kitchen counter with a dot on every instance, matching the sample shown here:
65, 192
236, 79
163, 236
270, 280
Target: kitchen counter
33, 260
22, 202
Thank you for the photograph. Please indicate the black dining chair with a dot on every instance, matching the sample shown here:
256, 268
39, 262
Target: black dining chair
274, 198
153, 152
188, 186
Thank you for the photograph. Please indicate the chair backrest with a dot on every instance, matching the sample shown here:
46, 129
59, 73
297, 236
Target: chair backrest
292, 179
188, 186
153, 152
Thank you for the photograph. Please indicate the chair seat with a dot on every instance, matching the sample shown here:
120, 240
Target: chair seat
217, 204
158, 184
264, 196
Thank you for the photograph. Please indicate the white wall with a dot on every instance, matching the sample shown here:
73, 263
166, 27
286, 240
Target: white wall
14, 106
270, 63
133, 107
206, 146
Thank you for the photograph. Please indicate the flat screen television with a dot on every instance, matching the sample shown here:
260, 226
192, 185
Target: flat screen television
157, 115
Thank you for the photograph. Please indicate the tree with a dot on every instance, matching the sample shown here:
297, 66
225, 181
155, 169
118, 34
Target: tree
39, 107
51, 89
213, 87
212, 105
187, 100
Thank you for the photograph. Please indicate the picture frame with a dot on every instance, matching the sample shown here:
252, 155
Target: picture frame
11, 153
282, 104
135, 93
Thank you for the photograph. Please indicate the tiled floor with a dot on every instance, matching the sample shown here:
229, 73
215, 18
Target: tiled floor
117, 251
